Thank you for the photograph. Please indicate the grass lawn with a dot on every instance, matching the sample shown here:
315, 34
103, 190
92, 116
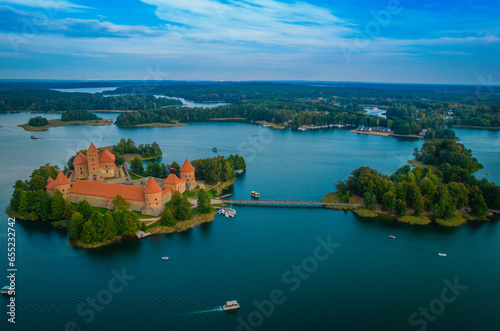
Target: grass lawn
134, 176
362, 212
455, 221
420, 220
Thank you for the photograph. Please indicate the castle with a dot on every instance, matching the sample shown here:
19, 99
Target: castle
89, 183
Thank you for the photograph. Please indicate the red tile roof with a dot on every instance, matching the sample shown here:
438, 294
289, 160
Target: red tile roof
106, 156
49, 179
50, 185
61, 179
80, 159
172, 179
187, 166
152, 186
166, 191
108, 190
92, 148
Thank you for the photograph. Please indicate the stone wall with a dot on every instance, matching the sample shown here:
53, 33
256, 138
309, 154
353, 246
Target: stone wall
103, 202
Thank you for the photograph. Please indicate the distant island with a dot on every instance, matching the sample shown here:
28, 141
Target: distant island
71, 117
439, 189
98, 202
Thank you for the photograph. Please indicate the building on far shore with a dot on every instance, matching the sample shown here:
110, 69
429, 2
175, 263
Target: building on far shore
147, 197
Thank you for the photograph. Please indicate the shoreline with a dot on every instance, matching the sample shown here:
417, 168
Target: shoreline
56, 123
157, 125
386, 134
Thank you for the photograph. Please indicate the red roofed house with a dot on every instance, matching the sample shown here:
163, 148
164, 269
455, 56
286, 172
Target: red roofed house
95, 166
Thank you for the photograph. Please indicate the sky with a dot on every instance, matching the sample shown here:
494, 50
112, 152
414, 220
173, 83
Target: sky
391, 41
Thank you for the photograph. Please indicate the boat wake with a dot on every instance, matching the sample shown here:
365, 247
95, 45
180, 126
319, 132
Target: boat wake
207, 316
213, 310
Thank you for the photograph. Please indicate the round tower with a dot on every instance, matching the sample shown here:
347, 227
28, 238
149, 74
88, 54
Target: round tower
153, 194
62, 183
187, 171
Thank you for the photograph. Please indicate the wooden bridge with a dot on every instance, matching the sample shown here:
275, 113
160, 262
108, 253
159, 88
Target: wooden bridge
289, 203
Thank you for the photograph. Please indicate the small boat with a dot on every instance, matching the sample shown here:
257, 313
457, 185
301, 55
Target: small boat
255, 194
165, 258
215, 149
8, 290
442, 254
34, 136
231, 305
239, 171
392, 237
218, 155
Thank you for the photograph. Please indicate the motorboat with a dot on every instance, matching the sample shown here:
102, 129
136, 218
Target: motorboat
215, 149
8, 290
442, 254
165, 258
392, 237
255, 194
231, 305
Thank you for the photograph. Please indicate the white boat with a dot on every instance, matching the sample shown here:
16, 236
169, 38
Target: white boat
441, 254
239, 171
255, 194
8, 290
165, 258
231, 305
34, 136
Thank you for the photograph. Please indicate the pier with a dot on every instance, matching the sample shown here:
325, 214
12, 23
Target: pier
290, 203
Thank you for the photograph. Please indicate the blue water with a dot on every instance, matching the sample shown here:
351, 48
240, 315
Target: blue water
367, 282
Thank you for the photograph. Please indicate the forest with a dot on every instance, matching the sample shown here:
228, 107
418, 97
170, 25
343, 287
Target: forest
444, 184
38, 121
79, 115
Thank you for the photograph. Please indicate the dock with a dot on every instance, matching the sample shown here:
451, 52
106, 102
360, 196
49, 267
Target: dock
289, 203
141, 234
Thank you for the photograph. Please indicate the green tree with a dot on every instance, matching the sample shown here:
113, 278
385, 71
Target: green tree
477, 203
389, 201
120, 203
75, 226
89, 234
84, 208
68, 209
108, 227
184, 210
57, 204
98, 224
131, 223
204, 202
369, 200
174, 168
37, 182
401, 207
163, 171
136, 166
167, 219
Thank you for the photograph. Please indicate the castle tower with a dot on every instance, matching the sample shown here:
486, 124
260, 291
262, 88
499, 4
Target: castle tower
174, 183
80, 164
93, 163
187, 171
152, 194
61, 183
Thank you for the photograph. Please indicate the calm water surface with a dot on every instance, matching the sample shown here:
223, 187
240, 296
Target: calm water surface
369, 282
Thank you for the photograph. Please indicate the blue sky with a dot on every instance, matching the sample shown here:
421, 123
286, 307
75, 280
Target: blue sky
405, 41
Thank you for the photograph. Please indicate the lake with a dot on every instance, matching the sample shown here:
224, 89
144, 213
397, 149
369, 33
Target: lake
351, 276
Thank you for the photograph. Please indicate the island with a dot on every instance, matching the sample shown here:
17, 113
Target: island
439, 189
99, 203
71, 117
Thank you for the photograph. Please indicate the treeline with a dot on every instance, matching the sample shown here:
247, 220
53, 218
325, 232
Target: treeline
79, 115
92, 227
145, 150
42, 100
442, 187
212, 170
30, 201
38, 121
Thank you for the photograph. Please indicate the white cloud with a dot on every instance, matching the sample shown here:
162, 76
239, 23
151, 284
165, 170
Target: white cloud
263, 21
53, 5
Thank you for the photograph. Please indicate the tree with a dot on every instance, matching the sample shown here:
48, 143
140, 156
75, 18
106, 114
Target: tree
68, 209
418, 204
401, 207
445, 207
136, 166
57, 204
75, 226
98, 225
84, 208
131, 223
204, 201
108, 227
389, 201
174, 168
89, 234
163, 171
120, 203
369, 200
37, 182
477, 203
167, 218
184, 210
46, 171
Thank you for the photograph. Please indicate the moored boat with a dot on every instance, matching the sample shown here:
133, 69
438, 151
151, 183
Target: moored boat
231, 305
8, 290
